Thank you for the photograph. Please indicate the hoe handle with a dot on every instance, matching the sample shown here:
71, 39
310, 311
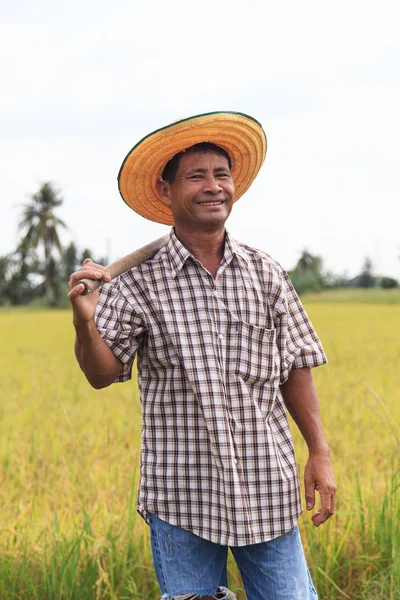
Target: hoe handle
127, 262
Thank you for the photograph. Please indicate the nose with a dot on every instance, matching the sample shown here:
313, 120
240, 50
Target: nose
212, 185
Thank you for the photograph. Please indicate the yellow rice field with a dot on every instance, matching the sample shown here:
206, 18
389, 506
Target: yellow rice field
69, 458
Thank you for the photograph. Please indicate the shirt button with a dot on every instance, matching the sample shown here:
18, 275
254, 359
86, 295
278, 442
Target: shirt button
236, 461
221, 336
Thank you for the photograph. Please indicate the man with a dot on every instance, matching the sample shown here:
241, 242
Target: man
223, 344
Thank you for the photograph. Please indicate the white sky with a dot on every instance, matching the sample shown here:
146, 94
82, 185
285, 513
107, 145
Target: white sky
82, 82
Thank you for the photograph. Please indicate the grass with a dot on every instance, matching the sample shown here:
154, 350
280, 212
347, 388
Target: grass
354, 295
69, 465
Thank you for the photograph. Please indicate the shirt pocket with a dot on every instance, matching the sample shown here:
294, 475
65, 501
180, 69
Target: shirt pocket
256, 353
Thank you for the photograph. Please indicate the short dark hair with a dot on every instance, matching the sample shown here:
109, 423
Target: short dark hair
172, 166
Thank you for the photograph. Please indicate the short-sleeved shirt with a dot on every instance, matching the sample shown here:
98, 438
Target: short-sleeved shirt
217, 456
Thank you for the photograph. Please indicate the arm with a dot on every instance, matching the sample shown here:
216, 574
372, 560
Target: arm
95, 358
301, 400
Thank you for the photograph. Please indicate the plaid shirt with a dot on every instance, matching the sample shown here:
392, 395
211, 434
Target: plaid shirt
217, 456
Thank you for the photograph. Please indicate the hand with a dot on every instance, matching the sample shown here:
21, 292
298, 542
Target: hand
84, 306
318, 475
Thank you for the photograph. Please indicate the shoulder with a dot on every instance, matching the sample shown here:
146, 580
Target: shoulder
258, 257
145, 271
137, 283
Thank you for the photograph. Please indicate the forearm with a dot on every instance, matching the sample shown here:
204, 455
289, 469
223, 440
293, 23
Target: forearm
95, 358
301, 400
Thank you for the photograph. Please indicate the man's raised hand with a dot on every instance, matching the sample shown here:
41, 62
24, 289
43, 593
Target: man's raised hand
84, 306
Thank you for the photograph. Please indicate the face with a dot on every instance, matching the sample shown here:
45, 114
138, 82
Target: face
201, 196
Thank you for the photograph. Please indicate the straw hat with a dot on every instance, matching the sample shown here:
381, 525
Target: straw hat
241, 136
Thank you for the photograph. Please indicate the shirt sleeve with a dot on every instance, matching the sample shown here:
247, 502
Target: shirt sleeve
299, 345
120, 326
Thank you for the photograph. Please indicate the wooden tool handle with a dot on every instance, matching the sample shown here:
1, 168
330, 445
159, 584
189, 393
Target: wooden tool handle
127, 262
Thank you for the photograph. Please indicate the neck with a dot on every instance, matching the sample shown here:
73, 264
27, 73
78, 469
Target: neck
206, 246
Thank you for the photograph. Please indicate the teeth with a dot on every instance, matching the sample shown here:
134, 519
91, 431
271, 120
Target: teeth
210, 203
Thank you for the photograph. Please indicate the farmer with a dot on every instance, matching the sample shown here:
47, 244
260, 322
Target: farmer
223, 346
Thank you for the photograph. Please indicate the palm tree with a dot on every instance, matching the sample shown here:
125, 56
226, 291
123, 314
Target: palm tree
40, 227
5, 263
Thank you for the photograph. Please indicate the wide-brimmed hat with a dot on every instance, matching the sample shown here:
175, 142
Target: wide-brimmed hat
241, 136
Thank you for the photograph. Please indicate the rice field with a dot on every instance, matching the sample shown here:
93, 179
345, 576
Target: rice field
69, 465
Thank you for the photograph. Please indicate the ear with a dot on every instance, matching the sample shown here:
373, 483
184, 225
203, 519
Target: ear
163, 188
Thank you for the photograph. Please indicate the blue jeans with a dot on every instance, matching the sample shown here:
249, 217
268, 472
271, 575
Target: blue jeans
188, 566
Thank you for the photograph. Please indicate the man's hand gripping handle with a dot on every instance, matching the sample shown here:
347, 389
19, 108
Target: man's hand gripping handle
124, 264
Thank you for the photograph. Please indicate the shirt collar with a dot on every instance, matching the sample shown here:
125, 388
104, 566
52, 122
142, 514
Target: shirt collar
178, 253
233, 247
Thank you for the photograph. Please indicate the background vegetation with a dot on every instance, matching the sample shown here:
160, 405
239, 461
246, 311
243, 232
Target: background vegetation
38, 270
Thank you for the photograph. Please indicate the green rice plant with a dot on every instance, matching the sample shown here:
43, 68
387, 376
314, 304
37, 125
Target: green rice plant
365, 559
384, 540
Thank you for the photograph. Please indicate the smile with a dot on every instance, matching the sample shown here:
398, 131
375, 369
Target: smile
211, 203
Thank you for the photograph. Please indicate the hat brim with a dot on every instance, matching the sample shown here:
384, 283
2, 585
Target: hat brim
241, 136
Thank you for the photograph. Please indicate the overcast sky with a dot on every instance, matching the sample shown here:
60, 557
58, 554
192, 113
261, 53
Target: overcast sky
82, 82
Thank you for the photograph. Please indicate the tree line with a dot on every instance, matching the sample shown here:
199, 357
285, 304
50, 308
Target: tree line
309, 275
38, 270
